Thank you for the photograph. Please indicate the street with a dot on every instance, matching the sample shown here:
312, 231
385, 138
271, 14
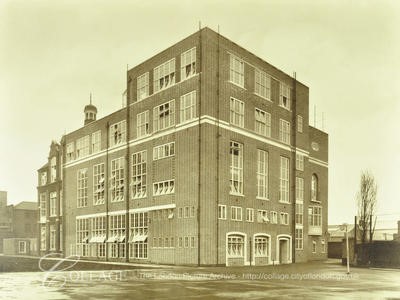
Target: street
317, 280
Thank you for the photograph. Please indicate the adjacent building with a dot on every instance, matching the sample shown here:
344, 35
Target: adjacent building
18, 225
211, 162
49, 222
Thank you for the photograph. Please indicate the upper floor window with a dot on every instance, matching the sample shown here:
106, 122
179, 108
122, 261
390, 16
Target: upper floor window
188, 63
315, 216
53, 204
164, 116
164, 187
82, 147
262, 84
70, 155
236, 70
188, 106
98, 184
96, 141
117, 179
139, 174
262, 122
284, 218
236, 156
284, 180
299, 189
43, 178
118, 133
299, 162
143, 86
142, 122
42, 206
314, 188
284, 131
53, 169
82, 178
236, 213
163, 151
299, 123
284, 95
262, 174
237, 112
221, 211
164, 75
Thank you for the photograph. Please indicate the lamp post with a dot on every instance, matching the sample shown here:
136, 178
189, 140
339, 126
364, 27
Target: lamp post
343, 227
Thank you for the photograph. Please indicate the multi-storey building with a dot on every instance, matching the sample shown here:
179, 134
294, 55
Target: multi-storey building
50, 203
211, 162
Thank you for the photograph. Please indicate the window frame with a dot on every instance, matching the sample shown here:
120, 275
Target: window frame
236, 112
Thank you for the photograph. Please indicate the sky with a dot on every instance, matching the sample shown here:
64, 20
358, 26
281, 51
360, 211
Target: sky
53, 54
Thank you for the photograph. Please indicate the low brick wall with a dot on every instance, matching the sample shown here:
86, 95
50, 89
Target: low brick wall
237, 261
379, 254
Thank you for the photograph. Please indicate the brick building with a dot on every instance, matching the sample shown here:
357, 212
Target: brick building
211, 162
18, 222
49, 203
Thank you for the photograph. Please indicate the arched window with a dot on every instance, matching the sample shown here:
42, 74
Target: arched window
314, 188
235, 247
261, 245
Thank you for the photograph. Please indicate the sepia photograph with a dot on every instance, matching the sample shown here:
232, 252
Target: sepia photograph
199, 149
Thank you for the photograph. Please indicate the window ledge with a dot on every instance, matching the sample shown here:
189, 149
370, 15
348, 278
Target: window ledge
258, 95
262, 198
235, 194
236, 84
284, 202
288, 109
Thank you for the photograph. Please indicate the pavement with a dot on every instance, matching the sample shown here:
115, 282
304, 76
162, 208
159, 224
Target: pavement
316, 280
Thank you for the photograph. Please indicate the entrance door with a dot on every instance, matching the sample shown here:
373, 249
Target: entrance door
284, 250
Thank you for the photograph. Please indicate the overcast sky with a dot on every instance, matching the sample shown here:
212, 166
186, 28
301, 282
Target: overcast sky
54, 53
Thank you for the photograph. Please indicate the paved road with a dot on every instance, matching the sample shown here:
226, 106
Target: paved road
320, 280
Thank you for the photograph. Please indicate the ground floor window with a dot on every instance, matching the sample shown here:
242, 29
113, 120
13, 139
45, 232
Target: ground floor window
299, 238
138, 250
98, 249
261, 246
22, 247
43, 238
314, 247
235, 246
323, 246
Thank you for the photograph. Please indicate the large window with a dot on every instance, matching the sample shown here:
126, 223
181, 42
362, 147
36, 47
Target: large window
261, 246
188, 107
138, 235
98, 184
299, 123
284, 131
82, 147
98, 227
70, 152
82, 237
262, 174
315, 216
299, 189
53, 169
262, 84
82, 178
43, 237
118, 133
236, 70
139, 174
284, 180
237, 112
262, 122
117, 179
164, 75
164, 187
42, 206
314, 188
236, 155
299, 162
299, 213
284, 96
96, 141
116, 236
299, 238
188, 63
53, 204
142, 121
235, 246
142, 86
164, 116
52, 237
164, 151
236, 213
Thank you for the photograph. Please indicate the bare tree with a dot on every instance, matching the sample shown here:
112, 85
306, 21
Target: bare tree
366, 205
